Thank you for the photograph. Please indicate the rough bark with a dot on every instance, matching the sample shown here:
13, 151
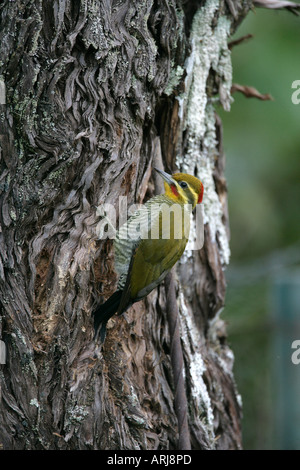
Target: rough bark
94, 92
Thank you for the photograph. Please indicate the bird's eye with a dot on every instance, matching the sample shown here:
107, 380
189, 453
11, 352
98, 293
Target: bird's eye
183, 184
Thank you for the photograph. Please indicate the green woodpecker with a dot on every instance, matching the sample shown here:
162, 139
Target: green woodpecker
149, 244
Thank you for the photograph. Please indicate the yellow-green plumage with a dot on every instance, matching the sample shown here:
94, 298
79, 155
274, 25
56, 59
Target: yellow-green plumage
150, 243
153, 258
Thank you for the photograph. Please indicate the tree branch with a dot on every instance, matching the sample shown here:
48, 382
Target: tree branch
278, 5
250, 92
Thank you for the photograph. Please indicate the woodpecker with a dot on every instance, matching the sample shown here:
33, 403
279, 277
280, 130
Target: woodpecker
149, 244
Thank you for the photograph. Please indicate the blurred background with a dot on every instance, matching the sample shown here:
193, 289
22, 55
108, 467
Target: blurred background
262, 146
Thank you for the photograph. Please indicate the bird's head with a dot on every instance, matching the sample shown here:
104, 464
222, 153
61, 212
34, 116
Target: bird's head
182, 188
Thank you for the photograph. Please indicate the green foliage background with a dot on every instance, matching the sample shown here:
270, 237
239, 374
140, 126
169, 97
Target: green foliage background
262, 147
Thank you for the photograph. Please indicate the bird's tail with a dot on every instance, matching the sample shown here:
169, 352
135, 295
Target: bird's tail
104, 312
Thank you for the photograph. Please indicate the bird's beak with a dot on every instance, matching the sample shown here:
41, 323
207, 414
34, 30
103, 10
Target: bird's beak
168, 178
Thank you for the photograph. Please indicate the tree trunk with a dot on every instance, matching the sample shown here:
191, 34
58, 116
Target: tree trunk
92, 94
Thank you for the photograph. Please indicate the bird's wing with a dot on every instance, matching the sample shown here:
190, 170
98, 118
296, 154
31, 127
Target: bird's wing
127, 239
148, 259
150, 263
